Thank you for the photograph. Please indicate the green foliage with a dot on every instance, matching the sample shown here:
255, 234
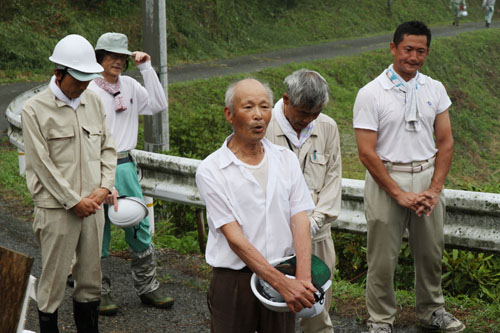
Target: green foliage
200, 29
168, 234
473, 274
29, 33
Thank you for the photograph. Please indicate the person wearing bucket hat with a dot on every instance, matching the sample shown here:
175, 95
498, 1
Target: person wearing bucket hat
70, 170
257, 203
299, 125
124, 100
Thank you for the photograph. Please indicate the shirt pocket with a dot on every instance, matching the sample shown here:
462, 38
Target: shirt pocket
60, 143
91, 142
315, 171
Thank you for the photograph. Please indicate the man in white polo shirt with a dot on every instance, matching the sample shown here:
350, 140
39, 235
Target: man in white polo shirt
396, 117
257, 203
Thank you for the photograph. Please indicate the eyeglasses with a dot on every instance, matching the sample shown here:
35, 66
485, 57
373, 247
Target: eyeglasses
117, 56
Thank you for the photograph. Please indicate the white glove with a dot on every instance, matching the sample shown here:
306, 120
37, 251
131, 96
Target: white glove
314, 226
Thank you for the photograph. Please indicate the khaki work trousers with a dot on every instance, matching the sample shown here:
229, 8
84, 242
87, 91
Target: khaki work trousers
61, 235
386, 223
322, 246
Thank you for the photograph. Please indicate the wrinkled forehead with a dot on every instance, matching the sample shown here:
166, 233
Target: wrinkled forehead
251, 90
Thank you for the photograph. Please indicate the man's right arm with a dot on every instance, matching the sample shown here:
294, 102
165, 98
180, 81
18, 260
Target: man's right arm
367, 141
39, 161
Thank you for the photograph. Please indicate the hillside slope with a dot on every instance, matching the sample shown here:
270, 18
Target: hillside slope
201, 29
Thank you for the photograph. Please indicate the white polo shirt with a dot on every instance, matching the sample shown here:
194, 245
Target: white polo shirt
231, 193
379, 107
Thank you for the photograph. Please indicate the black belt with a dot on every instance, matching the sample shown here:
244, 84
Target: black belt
245, 269
124, 160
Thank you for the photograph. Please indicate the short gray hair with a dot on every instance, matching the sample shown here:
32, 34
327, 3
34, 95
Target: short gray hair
305, 87
230, 91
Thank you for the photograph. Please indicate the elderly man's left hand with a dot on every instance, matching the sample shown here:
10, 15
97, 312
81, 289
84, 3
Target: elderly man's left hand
140, 57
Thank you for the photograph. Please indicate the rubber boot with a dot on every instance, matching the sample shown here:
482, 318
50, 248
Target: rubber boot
86, 316
48, 322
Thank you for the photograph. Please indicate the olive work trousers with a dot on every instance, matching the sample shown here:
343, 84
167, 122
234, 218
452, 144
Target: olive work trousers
387, 222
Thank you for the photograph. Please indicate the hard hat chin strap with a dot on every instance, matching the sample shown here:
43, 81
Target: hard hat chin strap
64, 71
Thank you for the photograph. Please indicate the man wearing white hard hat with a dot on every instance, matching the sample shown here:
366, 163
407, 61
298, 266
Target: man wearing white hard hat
124, 100
257, 202
70, 169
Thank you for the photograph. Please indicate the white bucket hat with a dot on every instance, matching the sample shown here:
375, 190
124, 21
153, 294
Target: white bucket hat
113, 42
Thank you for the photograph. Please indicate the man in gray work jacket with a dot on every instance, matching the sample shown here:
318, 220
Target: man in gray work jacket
298, 124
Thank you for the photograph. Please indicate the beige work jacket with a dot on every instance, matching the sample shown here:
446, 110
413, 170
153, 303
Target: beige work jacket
320, 161
69, 153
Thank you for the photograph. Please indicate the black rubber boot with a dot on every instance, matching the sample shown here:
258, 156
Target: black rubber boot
48, 322
86, 316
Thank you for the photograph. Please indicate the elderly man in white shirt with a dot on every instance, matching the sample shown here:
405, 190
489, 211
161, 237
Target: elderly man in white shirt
257, 203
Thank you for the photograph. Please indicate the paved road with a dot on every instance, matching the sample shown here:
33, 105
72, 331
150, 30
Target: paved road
189, 314
256, 62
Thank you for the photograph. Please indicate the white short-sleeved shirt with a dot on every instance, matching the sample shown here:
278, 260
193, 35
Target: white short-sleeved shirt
231, 193
139, 100
379, 107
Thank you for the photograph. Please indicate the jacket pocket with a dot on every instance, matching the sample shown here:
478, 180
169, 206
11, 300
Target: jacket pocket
91, 142
60, 143
315, 170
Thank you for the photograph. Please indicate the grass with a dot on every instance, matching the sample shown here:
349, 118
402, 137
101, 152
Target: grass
201, 30
468, 65
349, 301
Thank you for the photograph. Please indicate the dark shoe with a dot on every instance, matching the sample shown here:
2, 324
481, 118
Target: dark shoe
108, 306
70, 282
48, 322
86, 316
156, 299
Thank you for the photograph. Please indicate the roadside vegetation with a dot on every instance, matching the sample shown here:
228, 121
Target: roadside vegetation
200, 30
468, 65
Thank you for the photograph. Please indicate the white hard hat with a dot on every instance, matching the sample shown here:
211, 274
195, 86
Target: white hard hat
272, 300
76, 53
463, 13
131, 211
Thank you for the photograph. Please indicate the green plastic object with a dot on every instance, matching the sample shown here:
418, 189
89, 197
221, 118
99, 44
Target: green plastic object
320, 273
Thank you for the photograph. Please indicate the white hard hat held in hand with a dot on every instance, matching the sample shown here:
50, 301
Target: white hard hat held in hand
131, 211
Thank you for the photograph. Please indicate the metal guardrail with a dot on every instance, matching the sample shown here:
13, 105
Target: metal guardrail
473, 218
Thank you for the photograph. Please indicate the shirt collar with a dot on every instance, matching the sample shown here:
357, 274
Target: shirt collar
228, 157
62, 99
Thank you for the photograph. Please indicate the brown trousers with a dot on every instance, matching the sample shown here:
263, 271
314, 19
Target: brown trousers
234, 308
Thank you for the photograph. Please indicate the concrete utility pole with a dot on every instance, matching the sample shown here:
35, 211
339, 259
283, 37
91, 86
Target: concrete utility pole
156, 137
156, 134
